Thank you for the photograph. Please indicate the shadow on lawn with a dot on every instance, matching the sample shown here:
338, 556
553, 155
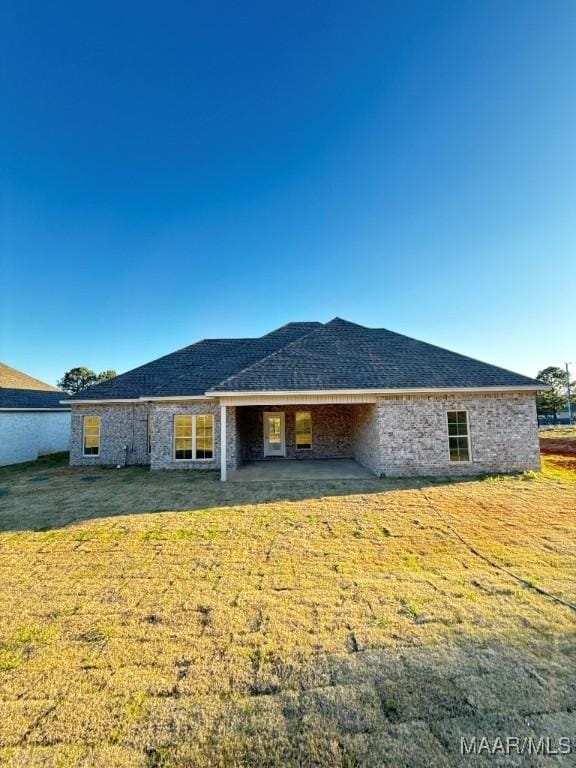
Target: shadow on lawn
409, 708
400, 708
47, 494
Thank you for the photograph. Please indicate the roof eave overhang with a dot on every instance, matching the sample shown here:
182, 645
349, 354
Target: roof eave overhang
215, 394
138, 400
24, 409
399, 391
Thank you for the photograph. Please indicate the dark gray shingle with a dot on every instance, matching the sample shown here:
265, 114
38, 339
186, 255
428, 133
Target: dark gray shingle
306, 356
343, 355
31, 399
194, 369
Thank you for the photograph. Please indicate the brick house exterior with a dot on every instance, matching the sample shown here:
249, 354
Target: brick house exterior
347, 381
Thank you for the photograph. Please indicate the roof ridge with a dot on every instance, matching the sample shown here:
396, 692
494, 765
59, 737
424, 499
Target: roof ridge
336, 321
268, 356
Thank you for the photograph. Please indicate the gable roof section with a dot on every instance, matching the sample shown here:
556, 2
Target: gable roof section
343, 355
194, 369
20, 392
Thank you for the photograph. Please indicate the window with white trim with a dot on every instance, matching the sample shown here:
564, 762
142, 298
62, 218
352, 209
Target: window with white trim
149, 432
303, 430
458, 436
194, 437
91, 435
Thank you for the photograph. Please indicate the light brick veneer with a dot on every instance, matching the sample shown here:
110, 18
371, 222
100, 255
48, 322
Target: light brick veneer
123, 434
407, 435
163, 436
396, 436
331, 431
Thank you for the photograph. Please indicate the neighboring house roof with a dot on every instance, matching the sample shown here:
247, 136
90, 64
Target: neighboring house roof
18, 391
14, 379
31, 400
306, 357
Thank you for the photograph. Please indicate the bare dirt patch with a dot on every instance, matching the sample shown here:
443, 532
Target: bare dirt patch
557, 445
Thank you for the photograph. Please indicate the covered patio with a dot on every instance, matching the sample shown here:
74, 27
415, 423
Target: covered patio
299, 469
277, 437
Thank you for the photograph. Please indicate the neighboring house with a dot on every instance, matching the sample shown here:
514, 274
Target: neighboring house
312, 391
33, 421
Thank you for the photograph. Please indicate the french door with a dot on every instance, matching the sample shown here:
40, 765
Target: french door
274, 435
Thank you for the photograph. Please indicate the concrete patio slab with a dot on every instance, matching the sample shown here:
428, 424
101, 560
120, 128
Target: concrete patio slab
296, 469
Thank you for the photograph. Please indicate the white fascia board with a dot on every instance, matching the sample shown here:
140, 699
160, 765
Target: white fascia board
28, 410
98, 402
215, 395
175, 397
139, 400
414, 390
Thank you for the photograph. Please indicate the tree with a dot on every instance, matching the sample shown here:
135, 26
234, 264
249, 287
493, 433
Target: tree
78, 379
105, 375
549, 403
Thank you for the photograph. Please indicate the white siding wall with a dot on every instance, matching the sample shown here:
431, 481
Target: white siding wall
26, 435
53, 432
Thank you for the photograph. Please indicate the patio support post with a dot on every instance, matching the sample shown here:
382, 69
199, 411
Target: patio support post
223, 467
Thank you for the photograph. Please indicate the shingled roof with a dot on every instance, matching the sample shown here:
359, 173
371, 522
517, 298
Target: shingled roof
18, 391
13, 379
311, 357
194, 369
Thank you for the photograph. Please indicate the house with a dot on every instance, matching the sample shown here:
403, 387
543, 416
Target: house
33, 421
310, 390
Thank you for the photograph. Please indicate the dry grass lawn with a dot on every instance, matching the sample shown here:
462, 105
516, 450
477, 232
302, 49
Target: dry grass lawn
166, 619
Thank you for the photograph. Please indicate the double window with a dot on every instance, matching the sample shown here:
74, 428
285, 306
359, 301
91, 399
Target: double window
91, 435
458, 436
194, 437
303, 430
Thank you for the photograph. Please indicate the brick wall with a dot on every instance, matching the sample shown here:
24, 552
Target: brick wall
408, 435
364, 437
405, 435
163, 436
331, 431
123, 434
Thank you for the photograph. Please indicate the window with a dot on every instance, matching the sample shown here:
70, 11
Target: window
91, 435
303, 430
183, 427
194, 437
458, 436
149, 433
204, 437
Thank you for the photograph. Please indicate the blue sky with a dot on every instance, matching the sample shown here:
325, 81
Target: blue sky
171, 171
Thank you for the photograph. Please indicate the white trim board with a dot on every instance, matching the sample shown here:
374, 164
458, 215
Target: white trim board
143, 400
35, 410
319, 395
400, 391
